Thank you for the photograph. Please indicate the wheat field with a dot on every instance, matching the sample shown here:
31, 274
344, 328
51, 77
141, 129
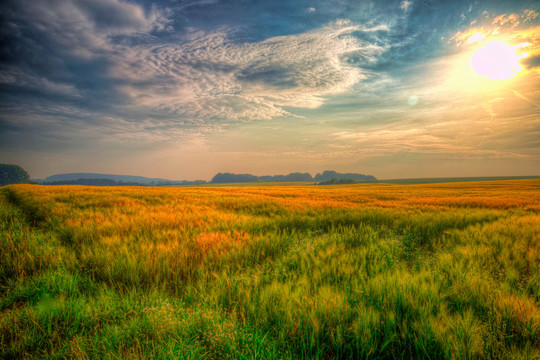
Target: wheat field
366, 271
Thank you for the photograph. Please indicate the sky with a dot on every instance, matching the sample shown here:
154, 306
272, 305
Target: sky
184, 89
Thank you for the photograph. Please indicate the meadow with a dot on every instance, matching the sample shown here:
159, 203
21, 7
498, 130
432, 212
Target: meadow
365, 271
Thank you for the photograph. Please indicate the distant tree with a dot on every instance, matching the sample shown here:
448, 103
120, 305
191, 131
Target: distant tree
328, 175
13, 174
243, 178
233, 178
299, 177
291, 177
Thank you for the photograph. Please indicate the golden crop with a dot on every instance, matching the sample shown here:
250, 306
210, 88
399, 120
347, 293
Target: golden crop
442, 270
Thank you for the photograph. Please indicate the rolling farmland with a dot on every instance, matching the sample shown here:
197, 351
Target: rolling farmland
365, 271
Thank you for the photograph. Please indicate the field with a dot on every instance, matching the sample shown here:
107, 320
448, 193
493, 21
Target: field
366, 271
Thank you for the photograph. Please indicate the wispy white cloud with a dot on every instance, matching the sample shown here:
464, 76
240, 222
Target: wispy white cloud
405, 5
504, 19
513, 20
209, 76
493, 26
185, 4
490, 129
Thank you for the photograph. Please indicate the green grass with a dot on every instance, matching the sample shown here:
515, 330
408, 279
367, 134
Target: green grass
260, 273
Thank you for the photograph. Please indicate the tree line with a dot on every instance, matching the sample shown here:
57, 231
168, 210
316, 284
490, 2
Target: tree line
14, 174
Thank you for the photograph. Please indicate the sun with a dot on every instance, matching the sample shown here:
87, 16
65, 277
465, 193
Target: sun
497, 61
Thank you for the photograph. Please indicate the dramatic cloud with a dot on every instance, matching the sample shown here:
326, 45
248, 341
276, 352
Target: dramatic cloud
212, 85
18, 77
85, 27
62, 47
497, 25
209, 76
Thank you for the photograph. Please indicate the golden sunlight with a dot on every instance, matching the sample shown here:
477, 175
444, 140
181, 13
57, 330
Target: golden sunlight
498, 61
476, 37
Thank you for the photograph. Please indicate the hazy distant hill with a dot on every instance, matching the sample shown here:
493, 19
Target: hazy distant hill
117, 178
220, 178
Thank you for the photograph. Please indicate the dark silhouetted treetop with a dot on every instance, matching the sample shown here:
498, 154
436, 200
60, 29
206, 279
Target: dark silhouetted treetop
13, 174
223, 178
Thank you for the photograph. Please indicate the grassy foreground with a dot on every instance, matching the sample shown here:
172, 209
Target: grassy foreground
360, 271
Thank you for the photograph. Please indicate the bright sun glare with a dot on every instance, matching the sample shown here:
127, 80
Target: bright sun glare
497, 61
